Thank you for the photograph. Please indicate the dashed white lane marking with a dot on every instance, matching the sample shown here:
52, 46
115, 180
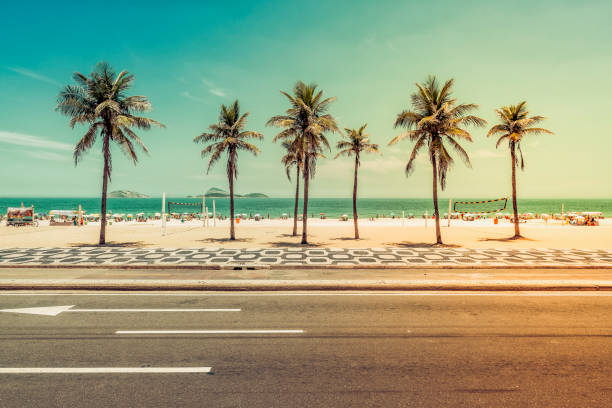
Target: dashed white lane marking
102, 370
209, 332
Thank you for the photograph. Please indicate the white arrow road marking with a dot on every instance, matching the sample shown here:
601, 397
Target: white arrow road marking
55, 310
102, 370
209, 332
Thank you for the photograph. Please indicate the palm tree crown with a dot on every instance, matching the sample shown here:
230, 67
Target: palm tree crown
228, 135
306, 122
437, 119
100, 101
355, 141
515, 123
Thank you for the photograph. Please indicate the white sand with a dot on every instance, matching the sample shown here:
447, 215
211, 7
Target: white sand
325, 233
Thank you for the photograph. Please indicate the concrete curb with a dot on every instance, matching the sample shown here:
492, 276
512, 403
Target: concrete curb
305, 285
217, 267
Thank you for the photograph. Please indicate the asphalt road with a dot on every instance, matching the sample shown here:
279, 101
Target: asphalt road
363, 350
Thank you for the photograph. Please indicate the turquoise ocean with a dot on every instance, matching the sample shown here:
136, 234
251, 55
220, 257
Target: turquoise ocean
332, 207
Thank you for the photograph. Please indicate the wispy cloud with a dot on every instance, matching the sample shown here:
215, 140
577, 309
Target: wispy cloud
217, 92
187, 95
47, 155
21, 139
213, 89
34, 75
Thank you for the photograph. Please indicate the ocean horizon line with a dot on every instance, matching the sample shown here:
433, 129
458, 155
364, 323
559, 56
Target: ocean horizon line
191, 196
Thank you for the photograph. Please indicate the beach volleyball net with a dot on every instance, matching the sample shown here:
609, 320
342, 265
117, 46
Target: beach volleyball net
190, 208
481, 207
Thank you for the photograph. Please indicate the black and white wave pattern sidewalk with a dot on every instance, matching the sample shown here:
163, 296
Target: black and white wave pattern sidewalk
304, 256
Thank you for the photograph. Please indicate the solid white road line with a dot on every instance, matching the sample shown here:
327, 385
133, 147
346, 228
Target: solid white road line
209, 332
102, 370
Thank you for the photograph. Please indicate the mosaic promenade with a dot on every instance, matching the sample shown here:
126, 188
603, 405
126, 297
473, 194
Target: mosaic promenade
417, 257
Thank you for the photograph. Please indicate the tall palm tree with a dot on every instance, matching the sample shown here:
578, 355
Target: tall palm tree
228, 136
355, 142
292, 158
515, 123
306, 124
100, 101
435, 122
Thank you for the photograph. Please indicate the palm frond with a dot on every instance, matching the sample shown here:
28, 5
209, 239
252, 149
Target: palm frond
501, 139
500, 128
463, 155
87, 141
415, 151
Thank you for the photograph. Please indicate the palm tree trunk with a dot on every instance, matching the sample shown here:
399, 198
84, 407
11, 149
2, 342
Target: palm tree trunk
517, 232
297, 197
231, 188
106, 153
435, 201
305, 213
355, 216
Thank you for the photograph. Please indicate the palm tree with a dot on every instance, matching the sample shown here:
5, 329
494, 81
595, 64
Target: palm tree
515, 123
305, 125
100, 100
228, 135
435, 122
292, 158
355, 142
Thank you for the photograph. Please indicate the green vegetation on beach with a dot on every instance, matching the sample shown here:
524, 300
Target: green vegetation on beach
126, 194
215, 192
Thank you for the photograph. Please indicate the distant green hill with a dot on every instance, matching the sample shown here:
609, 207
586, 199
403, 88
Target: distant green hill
126, 194
215, 192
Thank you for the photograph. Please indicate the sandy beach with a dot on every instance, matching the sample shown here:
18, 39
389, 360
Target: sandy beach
322, 233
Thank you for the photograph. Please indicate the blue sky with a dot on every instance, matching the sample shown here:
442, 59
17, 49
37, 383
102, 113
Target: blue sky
190, 57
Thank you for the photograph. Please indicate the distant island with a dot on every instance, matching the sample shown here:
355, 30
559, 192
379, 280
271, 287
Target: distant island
126, 194
219, 193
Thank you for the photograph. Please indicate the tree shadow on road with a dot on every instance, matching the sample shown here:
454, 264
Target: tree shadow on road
132, 244
507, 239
285, 244
223, 240
407, 244
347, 239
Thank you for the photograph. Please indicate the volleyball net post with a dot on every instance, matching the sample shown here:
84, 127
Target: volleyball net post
214, 215
163, 209
204, 216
